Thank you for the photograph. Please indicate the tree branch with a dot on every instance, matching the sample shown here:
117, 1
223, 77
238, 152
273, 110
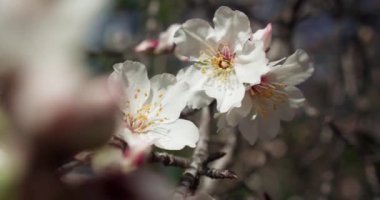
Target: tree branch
229, 148
190, 178
218, 174
169, 160
176, 161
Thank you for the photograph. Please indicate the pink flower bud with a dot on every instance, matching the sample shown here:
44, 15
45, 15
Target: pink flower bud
265, 35
146, 46
164, 43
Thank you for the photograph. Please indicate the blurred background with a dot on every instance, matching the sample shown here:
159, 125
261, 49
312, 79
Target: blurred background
331, 150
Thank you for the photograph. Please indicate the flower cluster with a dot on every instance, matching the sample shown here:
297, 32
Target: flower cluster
275, 98
228, 64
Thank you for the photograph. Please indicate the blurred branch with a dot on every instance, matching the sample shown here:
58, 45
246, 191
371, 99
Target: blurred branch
362, 149
214, 156
169, 160
176, 161
190, 179
229, 147
200, 160
337, 132
218, 173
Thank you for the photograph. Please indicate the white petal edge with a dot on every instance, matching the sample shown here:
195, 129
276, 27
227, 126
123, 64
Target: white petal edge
285, 111
296, 98
296, 69
226, 99
249, 129
135, 82
199, 99
193, 76
196, 80
251, 63
232, 27
134, 139
236, 114
175, 95
180, 133
268, 127
193, 37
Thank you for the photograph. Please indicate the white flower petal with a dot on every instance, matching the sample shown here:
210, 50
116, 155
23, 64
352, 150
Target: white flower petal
175, 100
159, 84
277, 62
249, 130
266, 123
296, 98
236, 114
162, 81
232, 27
180, 133
296, 69
133, 76
251, 63
174, 96
116, 86
268, 126
281, 110
285, 112
193, 37
134, 139
192, 75
199, 99
226, 98
263, 127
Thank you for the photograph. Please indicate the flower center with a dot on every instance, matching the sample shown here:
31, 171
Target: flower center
270, 94
269, 91
223, 59
139, 122
217, 64
145, 117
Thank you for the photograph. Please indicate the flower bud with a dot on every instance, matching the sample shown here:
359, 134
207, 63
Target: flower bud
265, 35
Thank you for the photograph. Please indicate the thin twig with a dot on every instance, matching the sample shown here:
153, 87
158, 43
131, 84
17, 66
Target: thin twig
214, 156
169, 160
228, 149
337, 132
176, 161
218, 174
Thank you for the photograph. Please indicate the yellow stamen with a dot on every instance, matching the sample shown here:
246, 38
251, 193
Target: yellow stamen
142, 121
220, 62
269, 94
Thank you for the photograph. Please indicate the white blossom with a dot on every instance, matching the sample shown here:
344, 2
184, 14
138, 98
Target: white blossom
274, 99
151, 108
224, 56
